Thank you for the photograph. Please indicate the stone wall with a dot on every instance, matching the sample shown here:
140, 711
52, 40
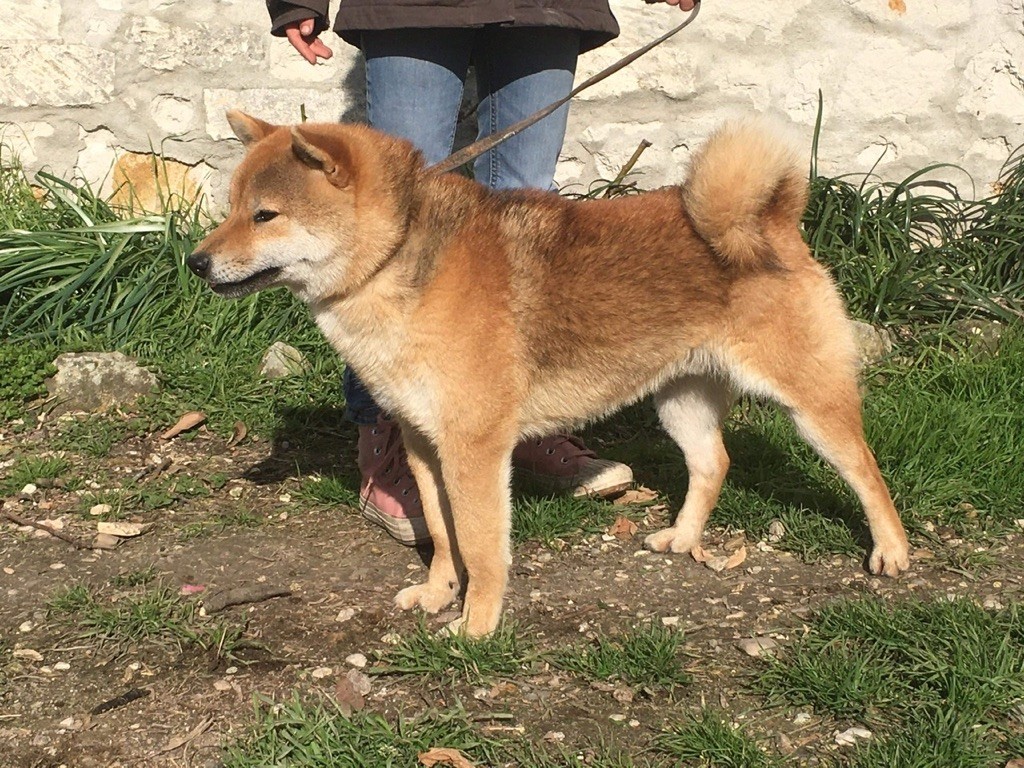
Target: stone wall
94, 86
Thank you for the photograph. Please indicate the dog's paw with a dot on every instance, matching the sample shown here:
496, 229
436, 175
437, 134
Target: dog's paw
891, 559
466, 627
426, 596
671, 540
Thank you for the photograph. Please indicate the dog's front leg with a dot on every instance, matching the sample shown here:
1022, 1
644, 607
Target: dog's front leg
477, 477
443, 580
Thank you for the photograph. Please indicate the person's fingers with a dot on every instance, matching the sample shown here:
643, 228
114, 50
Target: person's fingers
306, 27
320, 49
299, 43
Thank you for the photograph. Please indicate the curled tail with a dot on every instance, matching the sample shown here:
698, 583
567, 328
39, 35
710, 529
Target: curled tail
745, 177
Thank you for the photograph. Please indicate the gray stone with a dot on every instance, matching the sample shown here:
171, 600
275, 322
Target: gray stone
54, 75
873, 343
981, 335
98, 381
282, 360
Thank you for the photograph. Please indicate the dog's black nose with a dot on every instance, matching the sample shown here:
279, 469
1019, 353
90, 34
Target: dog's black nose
199, 263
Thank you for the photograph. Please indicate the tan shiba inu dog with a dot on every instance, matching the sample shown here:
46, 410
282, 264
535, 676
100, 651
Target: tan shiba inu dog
478, 317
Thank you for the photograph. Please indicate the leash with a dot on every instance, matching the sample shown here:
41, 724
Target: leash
477, 148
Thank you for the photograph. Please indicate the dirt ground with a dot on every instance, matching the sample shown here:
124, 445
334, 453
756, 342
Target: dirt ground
342, 574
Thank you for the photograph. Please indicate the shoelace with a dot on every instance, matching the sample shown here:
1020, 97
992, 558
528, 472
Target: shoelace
392, 454
568, 445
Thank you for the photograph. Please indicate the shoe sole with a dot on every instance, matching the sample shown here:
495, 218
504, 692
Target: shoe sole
403, 530
546, 483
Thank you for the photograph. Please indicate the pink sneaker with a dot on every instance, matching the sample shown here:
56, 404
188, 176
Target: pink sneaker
564, 463
388, 494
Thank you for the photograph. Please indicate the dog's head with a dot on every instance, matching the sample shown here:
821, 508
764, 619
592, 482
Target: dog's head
310, 210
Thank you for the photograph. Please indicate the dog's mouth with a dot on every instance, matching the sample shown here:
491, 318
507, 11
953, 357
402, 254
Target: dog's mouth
257, 282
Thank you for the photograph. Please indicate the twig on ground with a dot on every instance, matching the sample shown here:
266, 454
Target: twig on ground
240, 595
75, 542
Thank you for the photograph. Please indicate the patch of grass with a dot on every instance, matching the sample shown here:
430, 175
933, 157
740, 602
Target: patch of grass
331, 490
220, 522
25, 368
550, 519
648, 655
708, 740
32, 469
505, 653
935, 679
917, 253
134, 578
154, 616
145, 496
314, 734
95, 435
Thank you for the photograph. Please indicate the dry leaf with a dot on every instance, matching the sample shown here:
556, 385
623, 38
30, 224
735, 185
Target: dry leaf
190, 420
238, 434
700, 554
444, 756
124, 530
898, 5
638, 495
106, 541
736, 558
177, 742
349, 699
622, 528
27, 653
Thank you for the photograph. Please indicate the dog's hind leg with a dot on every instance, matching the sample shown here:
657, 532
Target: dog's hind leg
442, 584
816, 383
692, 410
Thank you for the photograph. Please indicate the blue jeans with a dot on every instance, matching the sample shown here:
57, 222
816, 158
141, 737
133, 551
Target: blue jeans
414, 84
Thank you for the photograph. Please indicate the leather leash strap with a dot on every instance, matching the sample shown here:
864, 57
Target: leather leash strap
477, 148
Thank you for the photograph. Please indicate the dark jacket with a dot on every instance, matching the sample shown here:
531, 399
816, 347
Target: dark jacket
593, 18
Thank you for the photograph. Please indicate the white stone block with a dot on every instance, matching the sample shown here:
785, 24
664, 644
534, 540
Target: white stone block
21, 140
97, 157
54, 75
36, 20
166, 47
275, 105
286, 63
172, 114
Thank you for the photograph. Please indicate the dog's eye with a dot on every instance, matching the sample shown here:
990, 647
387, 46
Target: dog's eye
263, 215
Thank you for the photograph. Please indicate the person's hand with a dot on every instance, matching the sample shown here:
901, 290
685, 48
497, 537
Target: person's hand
300, 35
684, 5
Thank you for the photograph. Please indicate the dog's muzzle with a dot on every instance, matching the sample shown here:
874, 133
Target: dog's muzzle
199, 263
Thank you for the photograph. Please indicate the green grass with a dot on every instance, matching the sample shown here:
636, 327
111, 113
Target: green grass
503, 654
938, 681
556, 518
95, 436
708, 740
316, 734
915, 252
648, 655
151, 616
32, 469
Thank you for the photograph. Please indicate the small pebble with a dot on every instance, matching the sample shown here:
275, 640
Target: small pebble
62, 666
321, 672
617, 718
356, 660
345, 614
100, 509
222, 685
29, 489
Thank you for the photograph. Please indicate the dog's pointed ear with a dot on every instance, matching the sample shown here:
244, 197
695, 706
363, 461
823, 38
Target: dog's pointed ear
248, 129
323, 153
